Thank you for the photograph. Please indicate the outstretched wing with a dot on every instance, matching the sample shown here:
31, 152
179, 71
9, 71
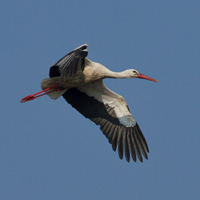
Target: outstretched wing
109, 110
67, 66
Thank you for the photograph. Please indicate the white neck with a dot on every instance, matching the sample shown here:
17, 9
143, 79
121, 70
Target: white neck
111, 74
102, 72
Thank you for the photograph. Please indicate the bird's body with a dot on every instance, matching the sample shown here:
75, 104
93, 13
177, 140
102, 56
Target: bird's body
91, 73
80, 81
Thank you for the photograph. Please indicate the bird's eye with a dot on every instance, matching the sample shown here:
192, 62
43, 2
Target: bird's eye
134, 71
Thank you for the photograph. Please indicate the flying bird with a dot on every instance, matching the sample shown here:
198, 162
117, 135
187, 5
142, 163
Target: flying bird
80, 82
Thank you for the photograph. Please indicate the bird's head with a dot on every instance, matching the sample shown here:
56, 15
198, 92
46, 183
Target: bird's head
135, 74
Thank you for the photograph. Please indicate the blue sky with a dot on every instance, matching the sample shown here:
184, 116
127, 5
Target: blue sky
50, 151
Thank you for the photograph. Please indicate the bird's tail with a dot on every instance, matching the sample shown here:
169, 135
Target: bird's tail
53, 93
50, 86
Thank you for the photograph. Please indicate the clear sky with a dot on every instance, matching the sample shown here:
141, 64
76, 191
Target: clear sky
50, 151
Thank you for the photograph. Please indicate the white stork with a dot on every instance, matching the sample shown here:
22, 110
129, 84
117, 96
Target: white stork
80, 82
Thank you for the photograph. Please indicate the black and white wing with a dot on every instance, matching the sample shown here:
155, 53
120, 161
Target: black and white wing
67, 66
109, 110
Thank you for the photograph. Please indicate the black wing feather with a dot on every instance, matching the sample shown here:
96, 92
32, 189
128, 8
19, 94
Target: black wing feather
128, 139
67, 66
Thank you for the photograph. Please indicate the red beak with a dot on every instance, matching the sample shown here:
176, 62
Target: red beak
146, 77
